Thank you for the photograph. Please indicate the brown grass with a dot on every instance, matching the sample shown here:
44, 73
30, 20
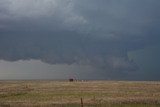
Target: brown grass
43, 93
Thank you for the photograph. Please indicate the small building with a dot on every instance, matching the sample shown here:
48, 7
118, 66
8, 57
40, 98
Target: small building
71, 79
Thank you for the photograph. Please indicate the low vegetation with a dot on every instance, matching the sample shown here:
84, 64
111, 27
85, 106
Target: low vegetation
69, 94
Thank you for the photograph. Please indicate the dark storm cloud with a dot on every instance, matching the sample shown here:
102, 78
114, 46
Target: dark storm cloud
98, 33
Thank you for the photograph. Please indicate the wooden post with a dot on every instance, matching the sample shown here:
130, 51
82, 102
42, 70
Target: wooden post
81, 102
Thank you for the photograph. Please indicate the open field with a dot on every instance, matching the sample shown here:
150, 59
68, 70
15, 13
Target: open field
69, 94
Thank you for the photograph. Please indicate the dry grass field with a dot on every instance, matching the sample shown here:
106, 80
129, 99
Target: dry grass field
68, 94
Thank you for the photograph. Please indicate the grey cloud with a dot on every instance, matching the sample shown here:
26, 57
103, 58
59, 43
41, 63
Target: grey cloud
97, 33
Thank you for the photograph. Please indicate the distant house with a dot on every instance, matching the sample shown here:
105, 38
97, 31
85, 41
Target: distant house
71, 79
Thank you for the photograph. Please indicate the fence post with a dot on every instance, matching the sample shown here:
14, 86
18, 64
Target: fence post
81, 102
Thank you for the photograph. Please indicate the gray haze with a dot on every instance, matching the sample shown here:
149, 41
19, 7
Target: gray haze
101, 34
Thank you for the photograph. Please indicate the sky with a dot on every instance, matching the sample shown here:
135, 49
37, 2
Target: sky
84, 39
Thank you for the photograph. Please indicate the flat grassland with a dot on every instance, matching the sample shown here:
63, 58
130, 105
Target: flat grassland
68, 94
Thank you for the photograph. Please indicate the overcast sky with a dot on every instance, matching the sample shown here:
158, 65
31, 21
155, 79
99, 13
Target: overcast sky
86, 39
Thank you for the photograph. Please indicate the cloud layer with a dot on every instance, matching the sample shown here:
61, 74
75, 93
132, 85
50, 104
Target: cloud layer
89, 32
